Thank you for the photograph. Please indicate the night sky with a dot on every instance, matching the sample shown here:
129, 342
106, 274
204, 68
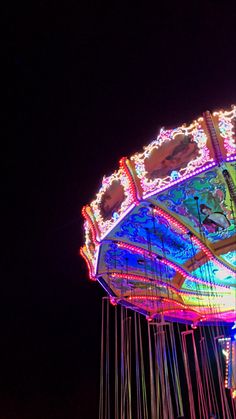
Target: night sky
86, 84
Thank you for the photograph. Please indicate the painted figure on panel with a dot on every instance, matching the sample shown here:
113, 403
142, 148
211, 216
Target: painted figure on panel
111, 200
214, 220
172, 156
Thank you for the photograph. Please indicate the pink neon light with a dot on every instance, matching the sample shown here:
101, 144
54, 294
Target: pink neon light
113, 301
91, 225
214, 139
195, 240
180, 180
154, 298
89, 266
231, 158
184, 306
152, 256
123, 164
166, 300
163, 284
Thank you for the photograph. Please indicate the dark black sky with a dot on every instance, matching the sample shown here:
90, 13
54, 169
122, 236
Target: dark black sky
87, 84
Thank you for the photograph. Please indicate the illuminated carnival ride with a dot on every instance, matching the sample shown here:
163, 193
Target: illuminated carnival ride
160, 239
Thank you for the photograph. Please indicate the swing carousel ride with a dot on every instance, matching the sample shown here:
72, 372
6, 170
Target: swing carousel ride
160, 239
